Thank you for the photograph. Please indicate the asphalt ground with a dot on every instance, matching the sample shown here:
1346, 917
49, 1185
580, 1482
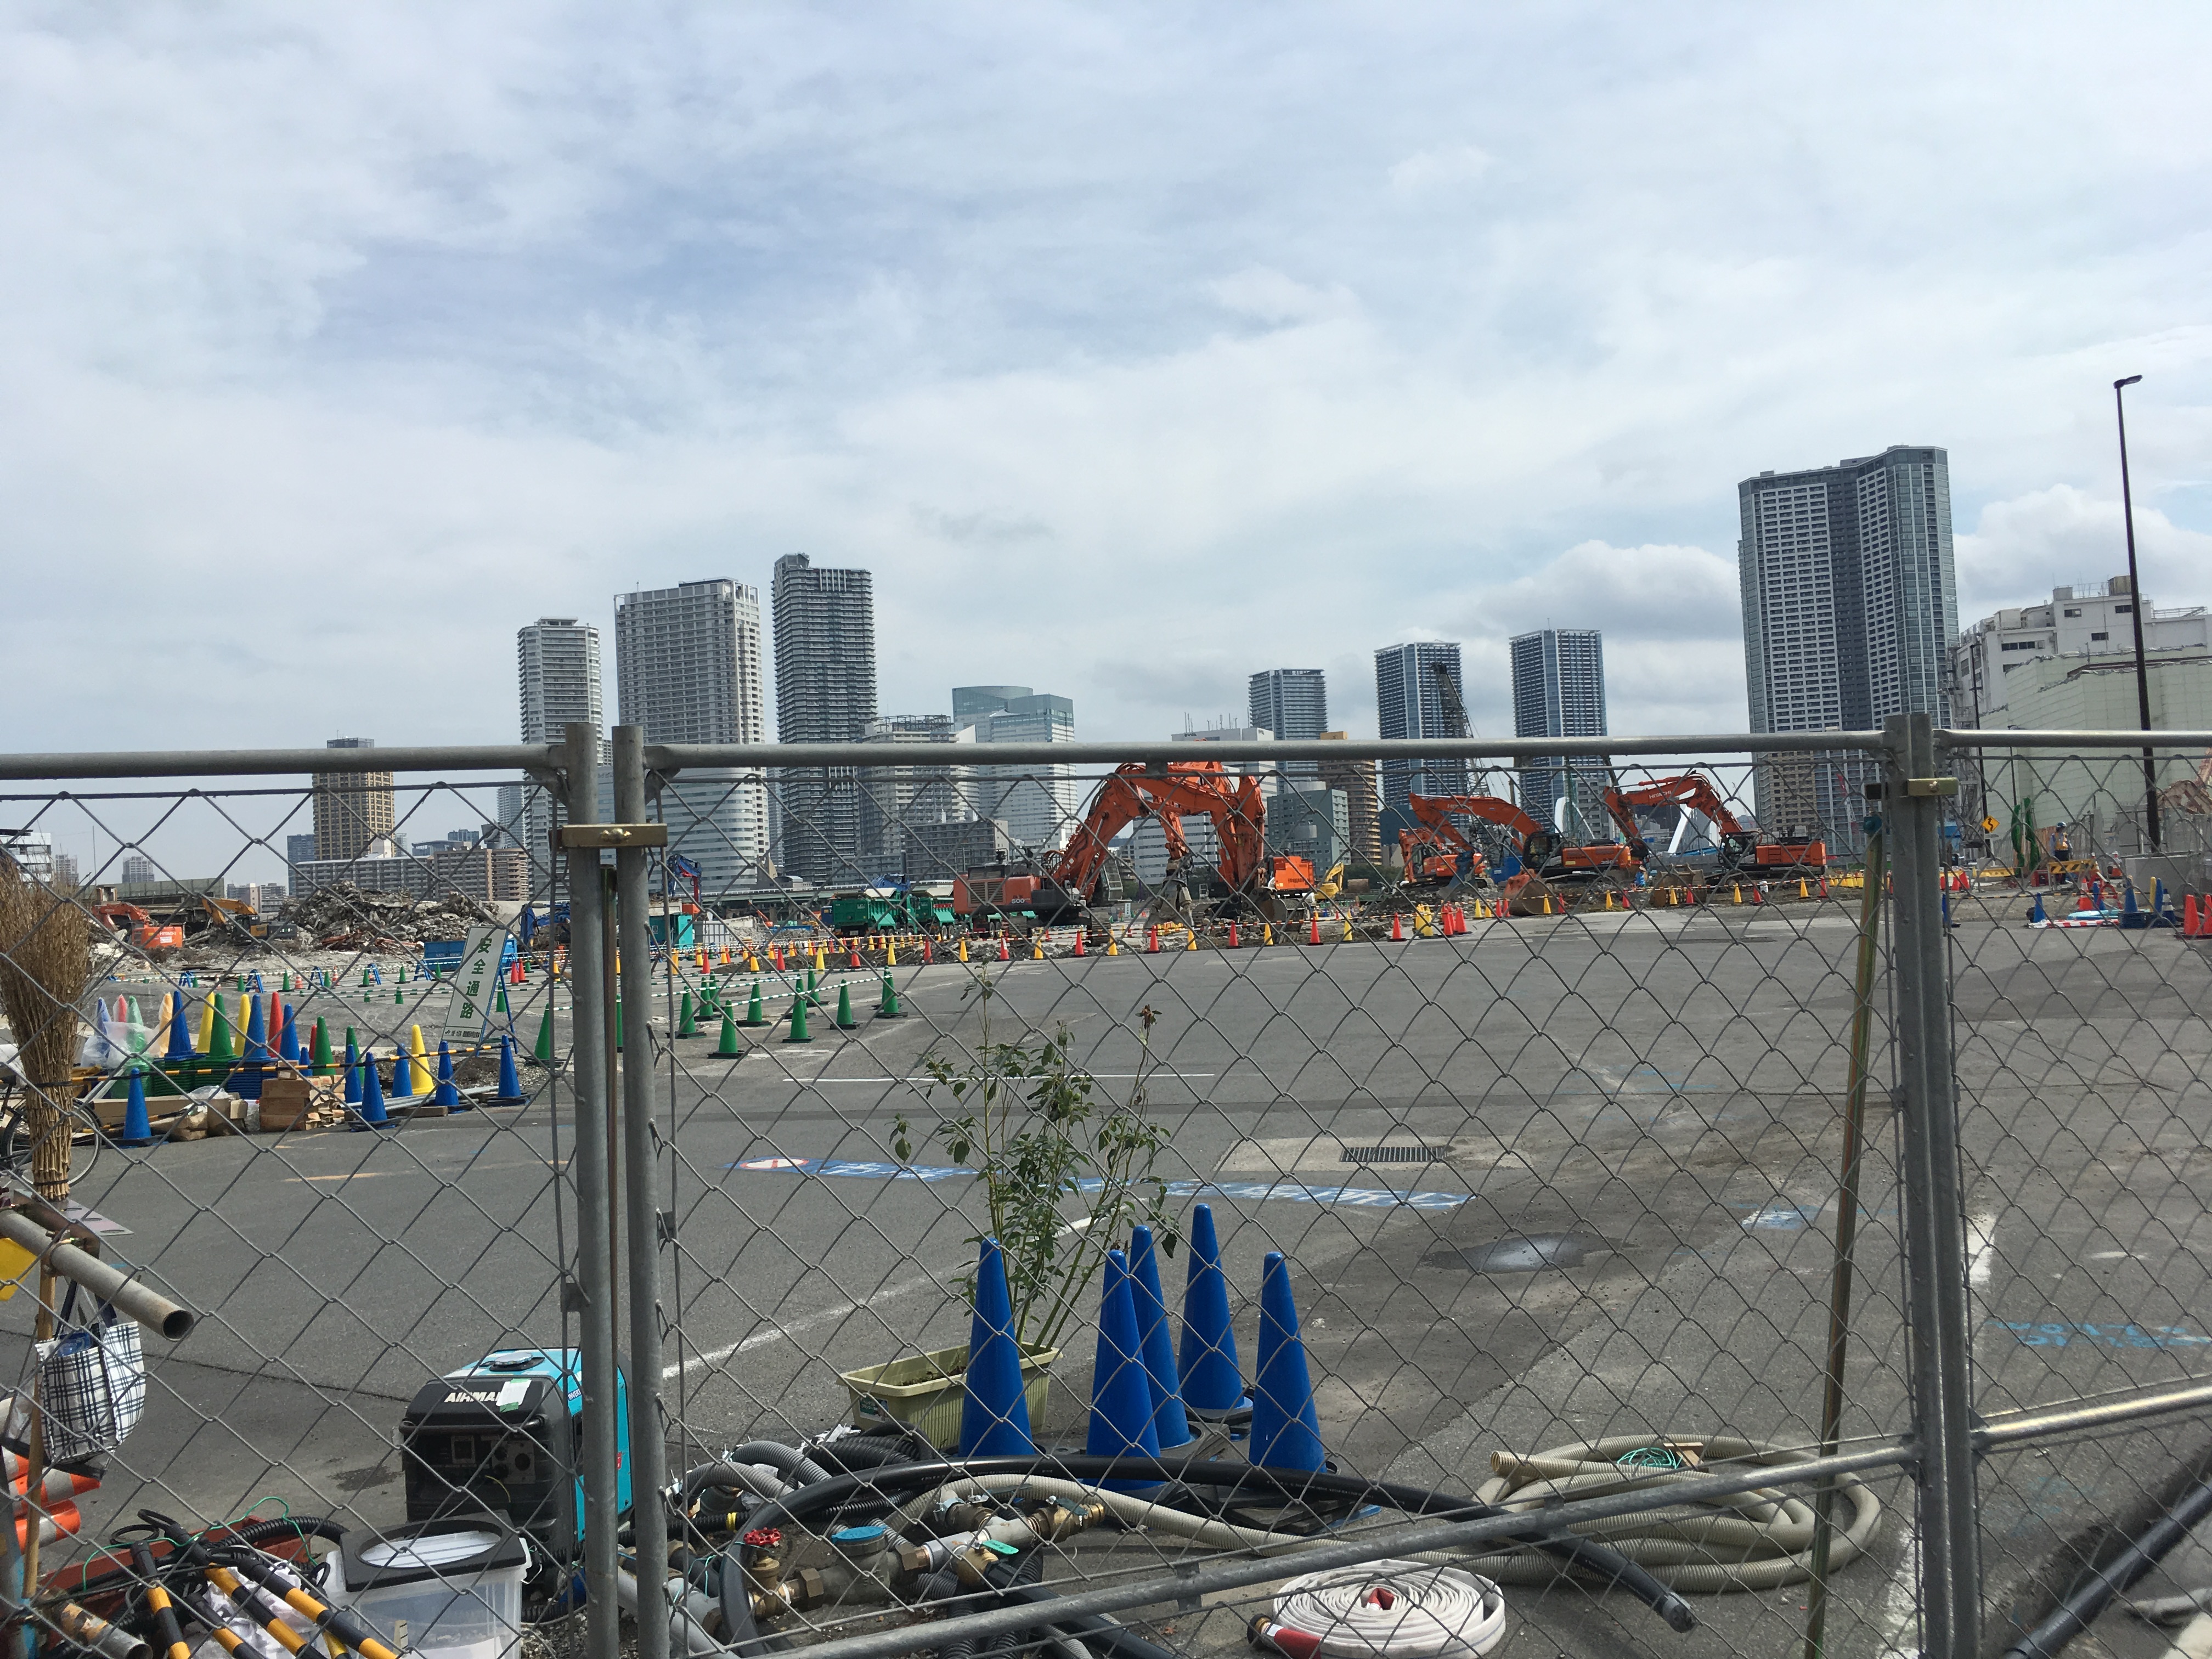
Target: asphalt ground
1659, 1091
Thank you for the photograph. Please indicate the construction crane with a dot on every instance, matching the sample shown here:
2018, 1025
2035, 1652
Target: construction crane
1230, 801
1740, 849
1455, 711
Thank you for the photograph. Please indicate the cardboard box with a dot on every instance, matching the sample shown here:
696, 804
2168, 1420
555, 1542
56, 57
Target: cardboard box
286, 1102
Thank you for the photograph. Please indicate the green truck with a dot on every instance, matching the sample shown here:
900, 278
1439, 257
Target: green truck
890, 910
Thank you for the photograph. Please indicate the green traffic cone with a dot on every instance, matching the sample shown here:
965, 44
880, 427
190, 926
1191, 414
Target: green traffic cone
398, 995
403, 974
798, 1032
727, 1048
754, 1015
687, 1024
220, 1049
813, 994
324, 1065
287, 985
890, 1009
845, 1020
503, 1008
542, 1051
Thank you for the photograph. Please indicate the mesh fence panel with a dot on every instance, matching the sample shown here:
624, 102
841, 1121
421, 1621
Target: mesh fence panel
1527, 1106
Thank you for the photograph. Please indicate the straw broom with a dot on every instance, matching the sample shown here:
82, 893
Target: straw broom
46, 962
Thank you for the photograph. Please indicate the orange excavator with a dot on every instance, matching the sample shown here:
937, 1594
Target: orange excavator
140, 928
1183, 789
1437, 849
1740, 848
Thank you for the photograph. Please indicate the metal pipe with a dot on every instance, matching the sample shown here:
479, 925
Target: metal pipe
641, 1172
1935, 1221
589, 1040
128, 1295
1999, 1432
2094, 1591
1847, 1223
2136, 615
671, 757
1175, 1582
278, 762
1974, 738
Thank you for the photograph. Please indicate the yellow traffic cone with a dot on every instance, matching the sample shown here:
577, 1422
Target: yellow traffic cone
1804, 892
964, 947
1113, 947
1190, 940
418, 1064
890, 954
1267, 933
1737, 893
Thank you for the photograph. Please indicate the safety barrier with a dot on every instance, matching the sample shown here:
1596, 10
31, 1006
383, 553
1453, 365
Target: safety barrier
1422, 1220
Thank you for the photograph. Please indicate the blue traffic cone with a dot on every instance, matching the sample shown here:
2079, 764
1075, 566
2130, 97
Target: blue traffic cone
137, 1127
994, 1419
352, 1071
2131, 914
376, 974
446, 1094
510, 1081
245, 1081
403, 1075
2036, 914
287, 1049
1285, 1433
1169, 1425
180, 1031
373, 1115
258, 987
1121, 1393
1212, 1385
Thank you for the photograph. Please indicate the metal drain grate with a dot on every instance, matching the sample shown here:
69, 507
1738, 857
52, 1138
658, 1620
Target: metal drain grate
1393, 1154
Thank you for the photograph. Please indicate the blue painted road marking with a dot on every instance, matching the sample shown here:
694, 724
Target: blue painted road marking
1292, 1191
2064, 1333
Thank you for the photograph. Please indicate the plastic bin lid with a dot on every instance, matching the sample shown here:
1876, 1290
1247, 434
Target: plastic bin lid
457, 1546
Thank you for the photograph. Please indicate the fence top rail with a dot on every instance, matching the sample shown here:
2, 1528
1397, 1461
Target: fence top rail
667, 757
675, 757
508, 758
1994, 738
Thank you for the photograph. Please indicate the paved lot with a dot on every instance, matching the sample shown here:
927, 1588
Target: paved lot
1663, 1089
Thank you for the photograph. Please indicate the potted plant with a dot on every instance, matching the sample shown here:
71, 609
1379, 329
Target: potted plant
1067, 1168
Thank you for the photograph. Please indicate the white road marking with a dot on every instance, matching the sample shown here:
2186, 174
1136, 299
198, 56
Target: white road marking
1981, 1250
2195, 1641
1900, 1608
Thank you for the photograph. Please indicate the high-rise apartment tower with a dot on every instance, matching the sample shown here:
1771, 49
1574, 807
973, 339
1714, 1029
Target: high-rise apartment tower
1408, 704
1559, 691
688, 668
1850, 605
557, 662
353, 810
825, 692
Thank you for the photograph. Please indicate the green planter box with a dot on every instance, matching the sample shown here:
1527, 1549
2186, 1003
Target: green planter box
926, 1392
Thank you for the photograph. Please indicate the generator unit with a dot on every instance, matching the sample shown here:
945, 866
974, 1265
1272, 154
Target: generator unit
506, 1435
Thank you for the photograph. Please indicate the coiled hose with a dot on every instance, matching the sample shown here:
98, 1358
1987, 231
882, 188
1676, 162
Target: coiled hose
1754, 1541
885, 1486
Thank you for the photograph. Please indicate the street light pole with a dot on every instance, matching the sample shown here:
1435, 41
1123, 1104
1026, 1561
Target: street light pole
2136, 611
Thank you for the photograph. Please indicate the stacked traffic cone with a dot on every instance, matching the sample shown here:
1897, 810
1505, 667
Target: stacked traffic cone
447, 1094
137, 1127
1120, 1392
1212, 1385
1170, 1427
510, 1080
995, 1418
371, 1114
1286, 1432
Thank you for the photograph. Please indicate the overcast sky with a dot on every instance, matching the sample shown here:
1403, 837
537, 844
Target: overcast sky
1133, 349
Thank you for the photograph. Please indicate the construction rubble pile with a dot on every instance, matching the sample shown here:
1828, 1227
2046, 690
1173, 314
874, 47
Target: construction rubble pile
343, 917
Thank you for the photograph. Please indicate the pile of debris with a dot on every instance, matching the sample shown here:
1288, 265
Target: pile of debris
344, 917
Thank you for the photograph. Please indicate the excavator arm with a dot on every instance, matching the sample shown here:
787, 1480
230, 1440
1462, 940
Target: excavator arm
1693, 790
1187, 789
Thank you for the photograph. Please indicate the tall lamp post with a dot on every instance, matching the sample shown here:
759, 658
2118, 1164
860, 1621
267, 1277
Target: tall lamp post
2136, 611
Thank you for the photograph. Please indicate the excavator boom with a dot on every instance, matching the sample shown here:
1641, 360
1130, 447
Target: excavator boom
1186, 789
1697, 792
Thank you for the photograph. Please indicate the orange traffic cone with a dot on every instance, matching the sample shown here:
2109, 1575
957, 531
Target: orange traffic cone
1151, 939
1398, 927
1079, 939
1005, 955
1235, 942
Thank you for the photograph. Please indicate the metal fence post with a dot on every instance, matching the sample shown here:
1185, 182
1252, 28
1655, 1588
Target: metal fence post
588, 1043
641, 1167
1934, 1223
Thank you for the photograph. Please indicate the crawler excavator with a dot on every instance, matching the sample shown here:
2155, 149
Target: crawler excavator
1741, 849
1275, 888
1540, 850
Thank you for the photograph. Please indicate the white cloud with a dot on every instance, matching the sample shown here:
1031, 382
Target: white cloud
1428, 170
370, 335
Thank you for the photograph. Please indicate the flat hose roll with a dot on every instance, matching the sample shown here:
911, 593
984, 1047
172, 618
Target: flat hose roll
1754, 1541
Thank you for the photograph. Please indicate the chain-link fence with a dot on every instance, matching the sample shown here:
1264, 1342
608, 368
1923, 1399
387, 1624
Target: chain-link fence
1676, 1198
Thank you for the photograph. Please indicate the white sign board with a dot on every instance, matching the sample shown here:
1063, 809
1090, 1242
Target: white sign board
474, 991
